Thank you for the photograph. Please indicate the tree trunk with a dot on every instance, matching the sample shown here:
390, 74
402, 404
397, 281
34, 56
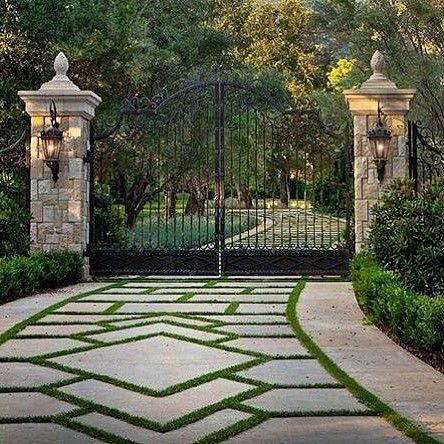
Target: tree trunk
135, 199
131, 217
197, 198
244, 197
284, 188
170, 202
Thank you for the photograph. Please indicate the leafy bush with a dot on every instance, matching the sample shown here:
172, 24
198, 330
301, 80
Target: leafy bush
108, 219
417, 320
14, 227
407, 235
14, 186
22, 275
330, 195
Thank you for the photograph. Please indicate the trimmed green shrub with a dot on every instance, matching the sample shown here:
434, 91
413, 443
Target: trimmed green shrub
407, 235
330, 195
417, 320
109, 221
14, 227
22, 275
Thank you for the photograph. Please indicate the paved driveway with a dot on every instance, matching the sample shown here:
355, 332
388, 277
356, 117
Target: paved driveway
175, 361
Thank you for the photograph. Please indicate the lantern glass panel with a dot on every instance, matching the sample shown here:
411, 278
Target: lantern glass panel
51, 148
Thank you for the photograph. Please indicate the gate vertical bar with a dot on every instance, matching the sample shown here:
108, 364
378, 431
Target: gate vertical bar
219, 172
92, 160
413, 153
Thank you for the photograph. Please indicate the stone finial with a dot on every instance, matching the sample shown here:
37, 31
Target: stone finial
61, 64
377, 63
60, 81
378, 79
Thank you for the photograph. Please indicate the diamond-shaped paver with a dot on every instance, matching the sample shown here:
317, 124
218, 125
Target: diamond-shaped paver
31, 404
156, 363
161, 409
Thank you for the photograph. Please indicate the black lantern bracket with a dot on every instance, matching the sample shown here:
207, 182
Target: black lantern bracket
379, 138
52, 140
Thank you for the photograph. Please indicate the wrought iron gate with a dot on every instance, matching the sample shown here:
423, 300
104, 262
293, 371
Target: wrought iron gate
217, 178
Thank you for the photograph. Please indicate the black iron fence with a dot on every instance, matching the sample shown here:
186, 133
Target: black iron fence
426, 154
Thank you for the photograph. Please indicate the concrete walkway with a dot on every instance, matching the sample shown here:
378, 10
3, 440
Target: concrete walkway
330, 314
176, 361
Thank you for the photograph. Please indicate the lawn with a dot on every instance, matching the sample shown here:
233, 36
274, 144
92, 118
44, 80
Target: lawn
183, 232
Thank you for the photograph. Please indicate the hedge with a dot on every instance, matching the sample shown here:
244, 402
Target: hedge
22, 275
407, 235
417, 320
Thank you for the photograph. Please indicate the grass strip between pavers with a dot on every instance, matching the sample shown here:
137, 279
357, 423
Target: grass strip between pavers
232, 307
375, 406
403, 424
113, 308
11, 332
184, 298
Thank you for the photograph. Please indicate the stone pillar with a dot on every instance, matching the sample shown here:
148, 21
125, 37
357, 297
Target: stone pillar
60, 210
363, 104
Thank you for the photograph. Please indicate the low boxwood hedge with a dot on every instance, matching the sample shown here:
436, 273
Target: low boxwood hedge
22, 275
417, 320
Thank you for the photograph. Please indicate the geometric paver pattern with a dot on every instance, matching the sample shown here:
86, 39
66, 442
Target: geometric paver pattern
154, 363
174, 361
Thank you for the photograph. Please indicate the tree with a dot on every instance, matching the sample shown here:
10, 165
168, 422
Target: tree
409, 32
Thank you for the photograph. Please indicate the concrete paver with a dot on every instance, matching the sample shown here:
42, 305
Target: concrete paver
329, 313
120, 376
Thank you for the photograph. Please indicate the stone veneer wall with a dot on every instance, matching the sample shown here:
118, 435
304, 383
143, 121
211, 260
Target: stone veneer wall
61, 210
367, 187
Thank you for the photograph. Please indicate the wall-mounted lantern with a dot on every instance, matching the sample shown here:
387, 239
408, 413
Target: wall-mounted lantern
380, 138
52, 139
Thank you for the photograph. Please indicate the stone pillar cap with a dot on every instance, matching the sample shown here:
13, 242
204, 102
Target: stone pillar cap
378, 79
379, 89
60, 81
70, 100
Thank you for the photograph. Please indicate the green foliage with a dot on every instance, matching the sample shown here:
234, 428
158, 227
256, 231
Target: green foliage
411, 35
14, 227
13, 186
407, 235
330, 195
108, 219
22, 275
415, 319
